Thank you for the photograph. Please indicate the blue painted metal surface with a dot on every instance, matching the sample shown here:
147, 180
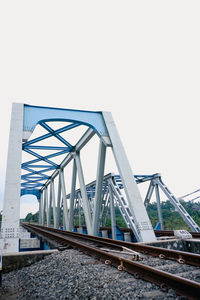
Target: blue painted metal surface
46, 247
35, 192
138, 178
119, 234
34, 115
158, 226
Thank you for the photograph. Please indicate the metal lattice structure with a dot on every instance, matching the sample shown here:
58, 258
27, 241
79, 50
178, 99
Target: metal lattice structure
193, 196
113, 196
157, 183
41, 170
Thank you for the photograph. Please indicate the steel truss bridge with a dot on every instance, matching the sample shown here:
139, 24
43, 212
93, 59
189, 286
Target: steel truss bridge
39, 175
113, 195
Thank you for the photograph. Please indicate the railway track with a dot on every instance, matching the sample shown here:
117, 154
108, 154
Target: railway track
195, 235
166, 268
179, 256
158, 233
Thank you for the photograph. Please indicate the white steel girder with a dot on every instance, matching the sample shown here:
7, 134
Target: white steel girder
98, 193
72, 196
144, 229
24, 120
86, 208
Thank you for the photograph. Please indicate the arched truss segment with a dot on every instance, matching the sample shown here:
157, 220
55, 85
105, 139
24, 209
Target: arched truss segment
34, 114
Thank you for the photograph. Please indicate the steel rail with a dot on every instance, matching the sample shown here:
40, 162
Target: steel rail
171, 233
158, 233
179, 256
165, 280
99, 243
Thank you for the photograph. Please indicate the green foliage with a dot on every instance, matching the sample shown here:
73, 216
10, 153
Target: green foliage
171, 218
32, 217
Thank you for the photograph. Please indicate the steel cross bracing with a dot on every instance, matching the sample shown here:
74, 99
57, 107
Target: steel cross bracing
41, 171
112, 193
195, 195
156, 182
31, 181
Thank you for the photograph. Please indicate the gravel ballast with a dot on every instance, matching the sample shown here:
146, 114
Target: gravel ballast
72, 275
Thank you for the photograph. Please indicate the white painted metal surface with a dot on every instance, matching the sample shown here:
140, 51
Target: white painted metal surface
144, 229
98, 192
86, 208
9, 241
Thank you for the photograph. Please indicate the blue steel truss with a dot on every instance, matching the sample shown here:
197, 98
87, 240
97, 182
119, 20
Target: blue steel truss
91, 187
36, 168
34, 180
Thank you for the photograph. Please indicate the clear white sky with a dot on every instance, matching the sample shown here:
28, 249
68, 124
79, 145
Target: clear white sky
138, 59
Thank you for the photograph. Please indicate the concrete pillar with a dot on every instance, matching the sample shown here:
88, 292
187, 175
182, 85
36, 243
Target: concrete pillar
9, 241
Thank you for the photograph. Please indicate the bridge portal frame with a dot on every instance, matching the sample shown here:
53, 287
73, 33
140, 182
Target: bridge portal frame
23, 122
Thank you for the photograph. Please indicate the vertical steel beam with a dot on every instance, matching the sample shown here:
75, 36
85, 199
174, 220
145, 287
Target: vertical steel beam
112, 213
65, 206
98, 192
42, 212
149, 194
72, 195
105, 202
49, 207
159, 206
143, 226
45, 206
79, 210
86, 208
53, 202
40, 208
58, 202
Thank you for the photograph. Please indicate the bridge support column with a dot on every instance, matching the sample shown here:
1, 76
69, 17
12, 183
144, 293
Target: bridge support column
86, 208
54, 202
45, 205
58, 202
40, 208
112, 214
72, 196
159, 206
98, 193
144, 230
49, 208
65, 206
9, 241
